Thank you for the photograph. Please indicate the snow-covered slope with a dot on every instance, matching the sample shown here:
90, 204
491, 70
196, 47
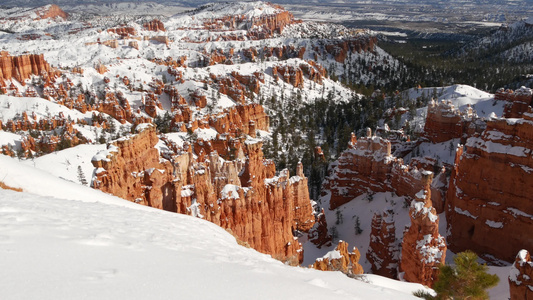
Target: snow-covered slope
64, 248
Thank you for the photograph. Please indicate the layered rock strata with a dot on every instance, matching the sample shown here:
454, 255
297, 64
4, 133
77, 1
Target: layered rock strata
243, 195
423, 248
489, 200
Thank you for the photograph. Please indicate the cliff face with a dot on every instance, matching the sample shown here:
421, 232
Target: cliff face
423, 248
21, 67
521, 277
383, 250
340, 259
260, 209
489, 200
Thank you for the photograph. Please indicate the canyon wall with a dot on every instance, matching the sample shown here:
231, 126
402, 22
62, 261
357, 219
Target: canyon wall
489, 208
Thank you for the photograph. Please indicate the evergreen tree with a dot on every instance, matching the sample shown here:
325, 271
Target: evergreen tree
467, 279
81, 176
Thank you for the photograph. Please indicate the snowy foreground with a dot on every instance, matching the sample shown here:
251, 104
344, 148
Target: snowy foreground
61, 240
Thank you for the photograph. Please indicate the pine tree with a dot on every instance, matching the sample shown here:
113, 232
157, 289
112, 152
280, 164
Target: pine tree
357, 226
81, 176
467, 279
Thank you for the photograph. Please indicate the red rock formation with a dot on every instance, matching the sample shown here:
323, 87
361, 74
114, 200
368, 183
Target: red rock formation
21, 67
289, 74
240, 195
154, 25
340, 259
134, 44
50, 12
100, 68
340, 48
362, 168
161, 39
116, 106
151, 103
488, 206
313, 71
123, 31
521, 277
383, 250
111, 43
199, 99
444, 122
319, 234
171, 62
423, 248
262, 27
519, 101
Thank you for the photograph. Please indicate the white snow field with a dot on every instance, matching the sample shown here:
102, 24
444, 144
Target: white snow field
61, 240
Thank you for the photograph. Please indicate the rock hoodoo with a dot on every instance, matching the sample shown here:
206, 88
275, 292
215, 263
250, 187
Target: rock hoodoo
340, 259
445, 122
154, 25
22, 67
489, 199
423, 248
518, 101
521, 277
319, 234
242, 195
383, 250
368, 166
